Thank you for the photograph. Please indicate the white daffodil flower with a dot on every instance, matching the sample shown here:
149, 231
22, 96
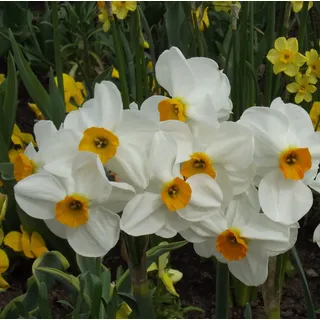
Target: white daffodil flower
169, 203
223, 151
316, 235
53, 154
241, 237
287, 154
120, 137
81, 208
199, 91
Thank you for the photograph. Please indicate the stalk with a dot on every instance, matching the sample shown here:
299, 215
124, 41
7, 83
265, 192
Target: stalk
222, 291
303, 26
139, 57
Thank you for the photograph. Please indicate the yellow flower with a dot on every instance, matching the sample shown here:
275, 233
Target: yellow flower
285, 57
36, 111
3, 206
121, 8
297, 5
168, 276
115, 73
225, 5
21, 139
104, 19
32, 246
302, 88
13, 154
2, 77
4, 264
313, 63
204, 23
101, 4
315, 115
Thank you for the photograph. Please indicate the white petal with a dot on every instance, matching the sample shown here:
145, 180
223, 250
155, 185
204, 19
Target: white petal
284, 200
38, 194
57, 228
182, 135
166, 232
85, 117
97, 236
173, 73
316, 235
206, 248
231, 146
175, 222
90, 178
144, 214
31, 152
312, 141
206, 198
130, 164
253, 269
43, 129
150, 107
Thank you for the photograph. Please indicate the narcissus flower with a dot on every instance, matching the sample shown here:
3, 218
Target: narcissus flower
313, 62
168, 276
241, 238
32, 245
287, 154
302, 87
4, 264
203, 15
170, 203
315, 115
285, 57
53, 153
20, 138
36, 111
199, 90
121, 8
225, 6
118, 136
81, 208
297, 5
115, 73
104, 19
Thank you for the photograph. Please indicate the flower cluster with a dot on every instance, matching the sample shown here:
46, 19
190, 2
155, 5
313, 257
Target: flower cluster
236, 190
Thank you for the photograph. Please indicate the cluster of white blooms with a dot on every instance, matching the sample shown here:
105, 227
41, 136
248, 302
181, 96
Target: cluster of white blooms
236, 190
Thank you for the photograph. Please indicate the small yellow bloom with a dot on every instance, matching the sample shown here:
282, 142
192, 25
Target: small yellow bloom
21, 139
104, 19
204, 23
4, 264
115, 73
315, 115
285, 57
313, 63
2, 77
225, 5
32, 246
297, 5
302, 88
101, 4
3, 206
36, 111
121, 8
168, 276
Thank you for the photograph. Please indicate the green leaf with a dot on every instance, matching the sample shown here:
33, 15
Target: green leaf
3, 150
248, 311
307, 295
91, 265
129, 300
96, 295
58, 107
44, 307
10, 101
6, 171
31, 82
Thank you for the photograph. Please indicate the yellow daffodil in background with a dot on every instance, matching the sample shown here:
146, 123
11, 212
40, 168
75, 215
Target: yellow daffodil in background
2, 77
121, 8
3, 206
104, 19
33, 246
297, 5
315, 115
225, 5
204, 22
302, 87
285, 57
20, 138
168, 276
115, 73
4, 264
36, 111
313, 63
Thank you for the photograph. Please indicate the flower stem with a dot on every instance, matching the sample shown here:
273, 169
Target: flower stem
303, 26
222, 291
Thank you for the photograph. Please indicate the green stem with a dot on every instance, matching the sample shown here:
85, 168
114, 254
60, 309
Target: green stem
242, 292
303, 26
56, 40
222, 291
120, 57
139, 57
252, 95
197, 32
270, 41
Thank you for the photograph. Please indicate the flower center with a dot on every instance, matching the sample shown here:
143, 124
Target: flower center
286, 56
23, 167
176, 194
172, 109
100, 141
231, 245
294, 162
199, 163
72, 211
302, 89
